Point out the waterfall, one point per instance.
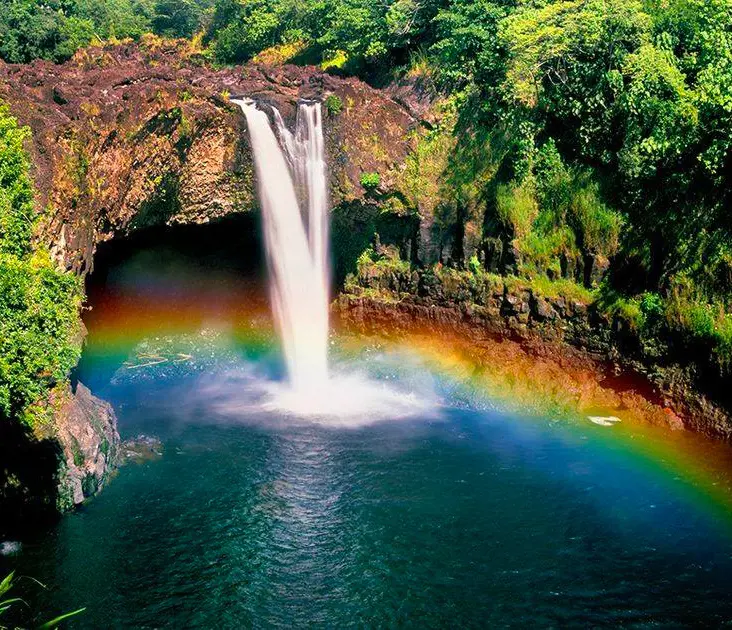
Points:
(291, 182)
(294, 198)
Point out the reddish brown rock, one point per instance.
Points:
(132, 135)
(86, 428)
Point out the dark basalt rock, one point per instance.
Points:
(87, 431)
(541, 310)
(569, 330)
(58, 465)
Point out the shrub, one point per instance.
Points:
(474, 264)
(282, 53)
(16, 191)
(689, 313)
(652, 307)
(597, 225)
(517, 207)
(541, 250)
(334, 59)
(626, 309)
(39, 305)
(333, 104)
(370, 181)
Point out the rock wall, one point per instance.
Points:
(478, 308)
(87, 431)
(129, 136)
(56, 466)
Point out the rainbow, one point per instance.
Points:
(697, 470)
(694, 467)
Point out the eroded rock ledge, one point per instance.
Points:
(87, 431)
(571, 334)
(129, 136)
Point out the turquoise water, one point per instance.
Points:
(475, 519)
(454, 516)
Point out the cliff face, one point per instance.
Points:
(130, 136)
(87, 432)
(567, 330)
(136, 135)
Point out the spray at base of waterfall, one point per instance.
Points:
(291, 180)
(348, 399)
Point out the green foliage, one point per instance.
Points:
(246, 28)
(556, 213)
(427, 180)
(39, 306)
(39, 328)
(597, 226)
(702, 322)
(17, 214)
(5, 586)
(333, 104)
(55, 29)
(541, 251)
(474, 264)
(564, 288)
(177, 18)
(387, 259)
(703, 327)
(517, 207)
(356, 35)
(466, 47)
(370, 181)
(380, 273)
(114, 18)
(626, 309)
(652, 307)
(6, 604)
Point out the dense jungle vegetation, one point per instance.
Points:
(571, 135)
(40, 338)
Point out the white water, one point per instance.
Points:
(297, 250)
(291, 180)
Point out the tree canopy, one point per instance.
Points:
(572, 129)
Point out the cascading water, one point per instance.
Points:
(293, 193)
(297, 250)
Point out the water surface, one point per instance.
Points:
(454, 515)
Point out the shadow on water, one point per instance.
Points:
(27, 480)
(170, 279)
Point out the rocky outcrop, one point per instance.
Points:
(87, 431)
(571, 330)
(141, 449)
(57, 465)
(134, 135)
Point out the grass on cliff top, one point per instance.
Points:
(552, 289)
